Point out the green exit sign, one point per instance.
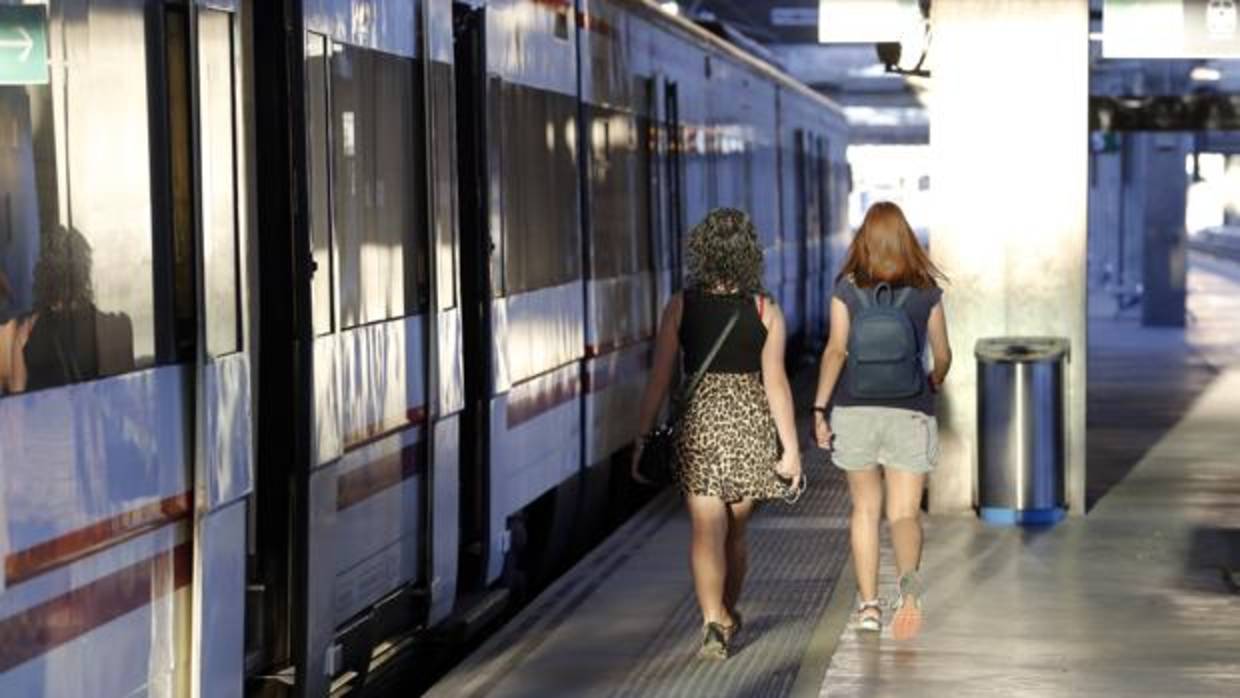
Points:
(23, 44)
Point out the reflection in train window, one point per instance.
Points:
(540, 197)
(618, 195)
(77, 290)
(219, 210)
(316, 158)
(378, 185)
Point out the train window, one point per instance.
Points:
(443, 145)
(620, 244)
(378, 185)
(77, 281)
(540, 203)
(320, 212)
(218, 178)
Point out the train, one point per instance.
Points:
(323, 323)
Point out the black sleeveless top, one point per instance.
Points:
(703, 317)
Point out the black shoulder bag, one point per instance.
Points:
(659, 452)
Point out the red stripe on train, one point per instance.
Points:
(414, 416)
(589, 22)
(526, 407)
(380, 474)
(88, 540)
(40, 629)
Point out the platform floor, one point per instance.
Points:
(625, 622)
(1130, 600)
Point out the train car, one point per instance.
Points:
(323, 322)
(128, 345)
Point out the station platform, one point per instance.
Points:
(1137, 598)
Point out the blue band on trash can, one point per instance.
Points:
(1010, 517)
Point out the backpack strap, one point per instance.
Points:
(902, 297)
(864, 299)
(878, 293)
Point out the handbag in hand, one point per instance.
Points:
(658, 455)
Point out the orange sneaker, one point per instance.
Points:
(907, 621)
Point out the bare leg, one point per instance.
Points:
(707, 558)
(866, 490)
(737, 550)
(904, 513)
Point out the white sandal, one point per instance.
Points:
(868, 622)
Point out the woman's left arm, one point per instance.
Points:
(666, 348)
(779, 393)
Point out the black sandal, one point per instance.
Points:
(735, 628)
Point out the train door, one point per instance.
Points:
(477, 265)
(293, 300)
(374, 418)
(223, 469)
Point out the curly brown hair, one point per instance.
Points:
(724, 253)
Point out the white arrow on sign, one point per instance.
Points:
(25, 43)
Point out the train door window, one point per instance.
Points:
(175, 258)
(443, 153)
(650, 217)
(78, 203)
(317, 121)
(675, 183)
(540, 212)
(621, 241)
(378, 185)
(218, 182)
(824, 191)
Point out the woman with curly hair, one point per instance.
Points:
(729, 438)
(884, 439)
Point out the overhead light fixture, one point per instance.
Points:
(672, 8)
(868, 21)
(1204, 73)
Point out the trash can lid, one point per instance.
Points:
(1021, 349)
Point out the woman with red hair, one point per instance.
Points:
(875, 403)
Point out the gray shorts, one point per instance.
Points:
(906, 440)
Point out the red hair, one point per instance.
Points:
(886, 251)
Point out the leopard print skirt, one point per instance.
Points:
(727, 444)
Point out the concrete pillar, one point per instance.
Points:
(1009, 140)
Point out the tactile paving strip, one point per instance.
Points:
(796, 556)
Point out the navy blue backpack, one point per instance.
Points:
(883, 359)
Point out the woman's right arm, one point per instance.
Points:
(667, 344)
(833, 358)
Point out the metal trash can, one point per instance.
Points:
(1020, 429)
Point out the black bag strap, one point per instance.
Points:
(699, 374)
